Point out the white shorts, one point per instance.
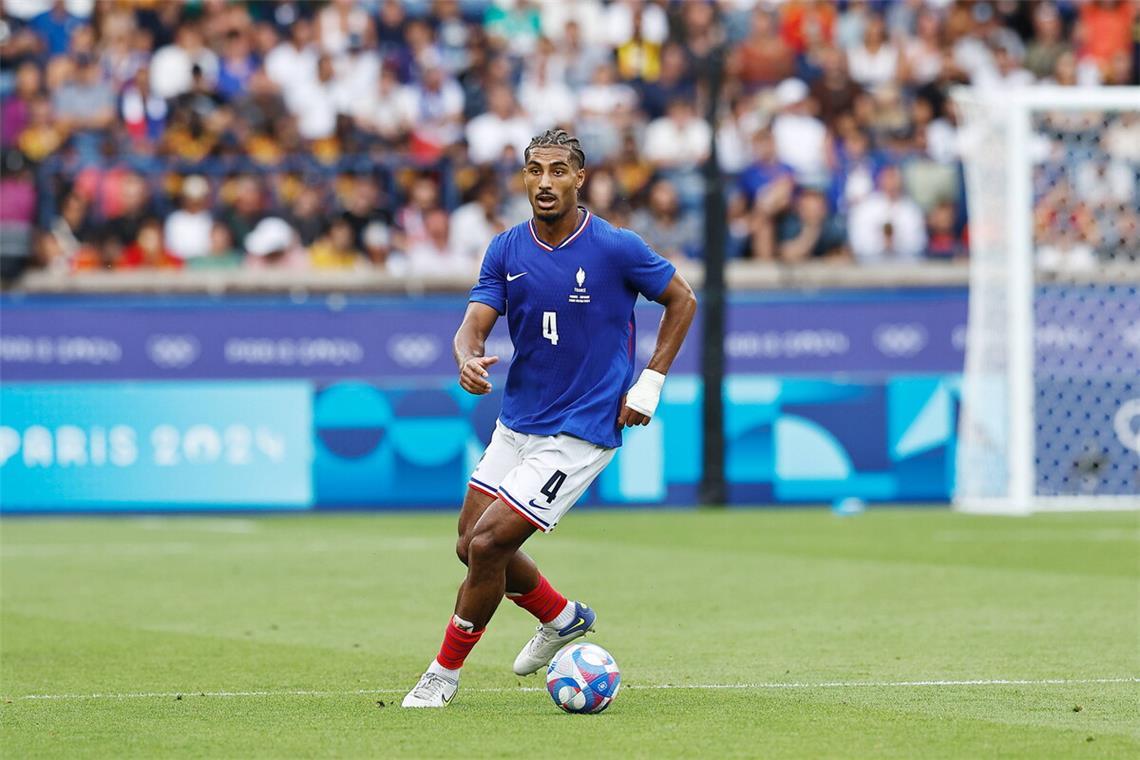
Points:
(538, 476)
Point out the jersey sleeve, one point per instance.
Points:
(645, 270)
(492, 286)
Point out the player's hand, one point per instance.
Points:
(628, 417)
(473, 374)
(640, 403)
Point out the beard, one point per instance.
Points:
(551, 216)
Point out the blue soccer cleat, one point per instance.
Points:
(547, 640)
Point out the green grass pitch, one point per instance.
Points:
(782, 634)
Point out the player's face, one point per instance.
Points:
(552, 182)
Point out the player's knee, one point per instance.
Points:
(485, 548)
(462, 548)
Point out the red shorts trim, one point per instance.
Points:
(482, 490)
(506, 499)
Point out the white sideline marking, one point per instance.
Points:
(495, 690)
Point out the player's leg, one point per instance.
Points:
(554, 473)
(526, 586)
(522, 572)
(438, 685)
(495, 540)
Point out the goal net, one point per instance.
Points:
(1050, 412)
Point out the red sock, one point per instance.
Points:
(457, 644)
(543, 601)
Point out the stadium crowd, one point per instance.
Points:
(377, 133)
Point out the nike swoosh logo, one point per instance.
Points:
(536, 506)
(577, 624)
(447, 700)
(513, 277)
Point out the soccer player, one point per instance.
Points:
(567, 281)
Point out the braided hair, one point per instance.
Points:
(558, 138)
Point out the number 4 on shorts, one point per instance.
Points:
(550, 490)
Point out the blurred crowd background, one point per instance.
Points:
(385, 134)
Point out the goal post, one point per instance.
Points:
(1050, 401)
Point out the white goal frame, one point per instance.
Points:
(1016, 109)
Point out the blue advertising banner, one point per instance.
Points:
(827, 334)
(789, 440)
(373, 338)
(275, 445)
(71, 447)
(353, 403)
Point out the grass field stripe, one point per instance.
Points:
(502, 689)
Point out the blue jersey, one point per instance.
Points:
(569, 308)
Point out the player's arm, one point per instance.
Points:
(469, 344)
(680, 305)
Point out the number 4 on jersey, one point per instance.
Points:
(550, 326)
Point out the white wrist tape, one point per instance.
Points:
(646, 392)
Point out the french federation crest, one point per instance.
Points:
(580, 295)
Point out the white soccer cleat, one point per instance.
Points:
(547, 641)
(433, 690)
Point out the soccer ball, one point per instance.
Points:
(583, 678)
